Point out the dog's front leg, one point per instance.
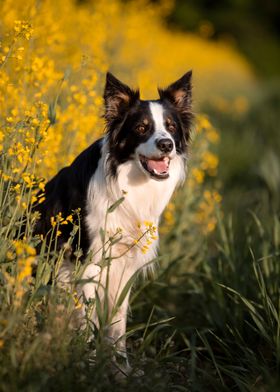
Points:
(109, 290)
(92, 275)
(117, 328)
(109, 284)
(117, 334)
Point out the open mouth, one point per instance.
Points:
(156, 167)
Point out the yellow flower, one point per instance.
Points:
(41, 186)
(241, 104)
(198, 175)
(25, 267)
(10, 255)
(209, 162)
(148, 223)
(77, 303)
(33, 199)
(17, 188)
(217, 197)
(35, 122)
(144, 249)
(212, 135)
(203, 122)
(53, 222)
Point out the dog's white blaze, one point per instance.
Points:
(157, 113)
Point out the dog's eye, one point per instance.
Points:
(171, 128)
(141, 129)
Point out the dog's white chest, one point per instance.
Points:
(144, 201)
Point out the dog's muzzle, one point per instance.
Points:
(158, 168)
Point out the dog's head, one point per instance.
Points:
(151, 133)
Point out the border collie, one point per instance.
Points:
(140, 160)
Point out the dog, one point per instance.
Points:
(135, 168)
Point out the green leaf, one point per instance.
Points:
(115, 205)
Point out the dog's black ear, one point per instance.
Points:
(118, 98)
(179, 94)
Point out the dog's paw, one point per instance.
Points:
(121, 370)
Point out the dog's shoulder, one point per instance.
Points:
(67, 190)
(73, 180)
(85, 165)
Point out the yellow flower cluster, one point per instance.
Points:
(58, 220)
(30, 190)
(206, 161)
(204, 125)
(237, 105)
(147, 234)
(23, 28)
(205, 215)
(168, 218)
(203, 167)
(24, 256)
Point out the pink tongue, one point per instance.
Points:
(159, 166)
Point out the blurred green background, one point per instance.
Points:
(250, 142)
(252, 25)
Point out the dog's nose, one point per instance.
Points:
(164, 145)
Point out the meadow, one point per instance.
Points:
(209, 319)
